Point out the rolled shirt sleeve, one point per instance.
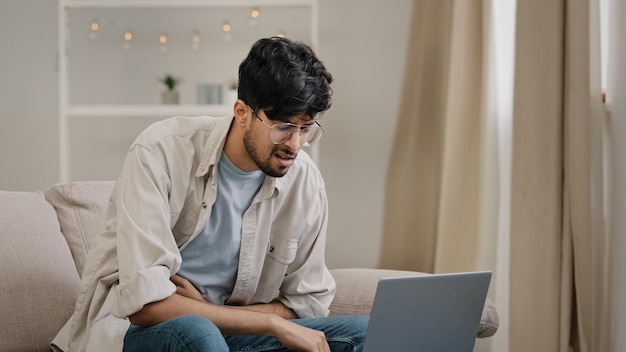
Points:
(146, 250)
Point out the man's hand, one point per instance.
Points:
(299, 338)
(185, 288)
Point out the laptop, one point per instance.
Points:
(431, 313)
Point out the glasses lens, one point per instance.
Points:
(280, 133)
(315, 133)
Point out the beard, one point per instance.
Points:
(264, 164)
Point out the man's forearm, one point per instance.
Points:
(185, 288)
(276, 308)
(230, 320)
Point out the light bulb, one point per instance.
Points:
(254, 17)
(127, 43)
(227, 35)
(195, 40)
(94, 27)
(163, 49)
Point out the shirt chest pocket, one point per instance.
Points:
(281, 249)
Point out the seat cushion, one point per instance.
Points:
(38, 281)
(81, 208)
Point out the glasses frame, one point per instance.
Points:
(293, 126)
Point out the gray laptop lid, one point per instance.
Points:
(428, 313)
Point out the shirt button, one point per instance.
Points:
(204, 204)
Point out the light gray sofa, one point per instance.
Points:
(45, 237)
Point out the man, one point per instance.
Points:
(216, 228)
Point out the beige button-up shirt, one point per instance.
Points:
(162, 200)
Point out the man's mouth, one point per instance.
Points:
(284, 155)
(286, 158)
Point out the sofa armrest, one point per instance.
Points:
(356, 289)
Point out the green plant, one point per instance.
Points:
(170, 81)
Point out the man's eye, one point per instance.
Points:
(305, 129)
(283, 127)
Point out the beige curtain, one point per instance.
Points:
(551, 234)
(431, 212)
(433, 200)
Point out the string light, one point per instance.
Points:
(163, 43)
(195, 40)
(94, 27)
(195, 43)
(127, 44)
(227, 35)
(254, 17)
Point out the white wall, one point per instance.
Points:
(363, 44)
(28, 95)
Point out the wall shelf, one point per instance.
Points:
(147, 110)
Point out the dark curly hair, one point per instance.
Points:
(284, 79)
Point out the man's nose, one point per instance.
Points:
(295, 139)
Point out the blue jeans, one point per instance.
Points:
(191, 333)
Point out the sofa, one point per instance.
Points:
(45, 238)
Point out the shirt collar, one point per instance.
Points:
(214, 145)
(213, 150)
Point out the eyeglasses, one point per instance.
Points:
(281, 132)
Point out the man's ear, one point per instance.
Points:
(241, 111)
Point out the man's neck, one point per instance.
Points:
(236, 152)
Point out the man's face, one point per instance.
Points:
(273, 159)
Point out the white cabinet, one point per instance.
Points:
(104, 80)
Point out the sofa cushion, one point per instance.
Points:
(38, 281)
(356, 289)
(81, 208)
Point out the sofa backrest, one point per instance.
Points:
(81, 208)
(38, 281)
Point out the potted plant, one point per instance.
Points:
(170, 96)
